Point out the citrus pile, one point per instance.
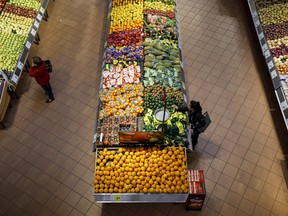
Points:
(141, 170)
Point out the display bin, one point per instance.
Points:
(197, 190)
(139, 197)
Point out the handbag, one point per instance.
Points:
(48, 65)
(207, 122)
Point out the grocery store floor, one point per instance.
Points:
(46, 162)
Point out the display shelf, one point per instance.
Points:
(277, 80)
(101, 79)
(141, 198)
(32, 36)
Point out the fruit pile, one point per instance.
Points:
(274, 20)
(125, 100)
(2, 3)
(128, 15)
(16, 20)
(139, 170)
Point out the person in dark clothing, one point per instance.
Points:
(196, 121)
(42, 77)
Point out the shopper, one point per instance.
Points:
(196, 121)
(42, 77)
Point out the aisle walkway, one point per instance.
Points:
(46, 163)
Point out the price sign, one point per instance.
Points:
(33, 32)
(261, 35)
(14, 79)
(181, 64)
(264, 47)
(28, 45)
(20, 65)
(267, 54)
(117, 198)
(270, 65)
(254, 14)
(36, 24)
(284, 105)
(42, 10)
(39, 17)
(273, 74)
(257, 23)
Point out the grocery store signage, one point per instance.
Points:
(33, 32)
(42, 10)
(39, 17)
(28, 45)
(36, 24)
(117, 198)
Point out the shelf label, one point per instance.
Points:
(273, 74)
(284, 105)
(267, 54)
(254, 14)
(264, 47)
(183, 85)
(28, 45)
(270, 65)
(117, 198)
(20, 65)
(36, 24)
(261, 35)
(14, 79)
(42, 10)
(33, 32)
(257, 23)
(39, 17)
(182, 65)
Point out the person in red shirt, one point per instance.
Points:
(42, 77)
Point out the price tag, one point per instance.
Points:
(14, 79)
(261, 35)
(110, 4)
(36, 24)
(39, 17)
(254, 14)
(181, 64)
(42, 10)
(33, 32)
(273, 74)
(270, 65)
(95, 137)
(28, 45)
(20, 65)
(284, 105)
(264, 47)
(109, 14)
(267, 54)
(117, 198)
(257, 23)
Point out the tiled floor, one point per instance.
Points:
(46, 163)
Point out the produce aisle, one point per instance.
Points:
(47, 166)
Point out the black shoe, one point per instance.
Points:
(50, 100)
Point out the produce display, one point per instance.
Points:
(16, 20)
(140, 170)
(274, 19)
(141, 58)
(141, 75)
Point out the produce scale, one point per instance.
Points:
(140, 138)
(271, 24)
